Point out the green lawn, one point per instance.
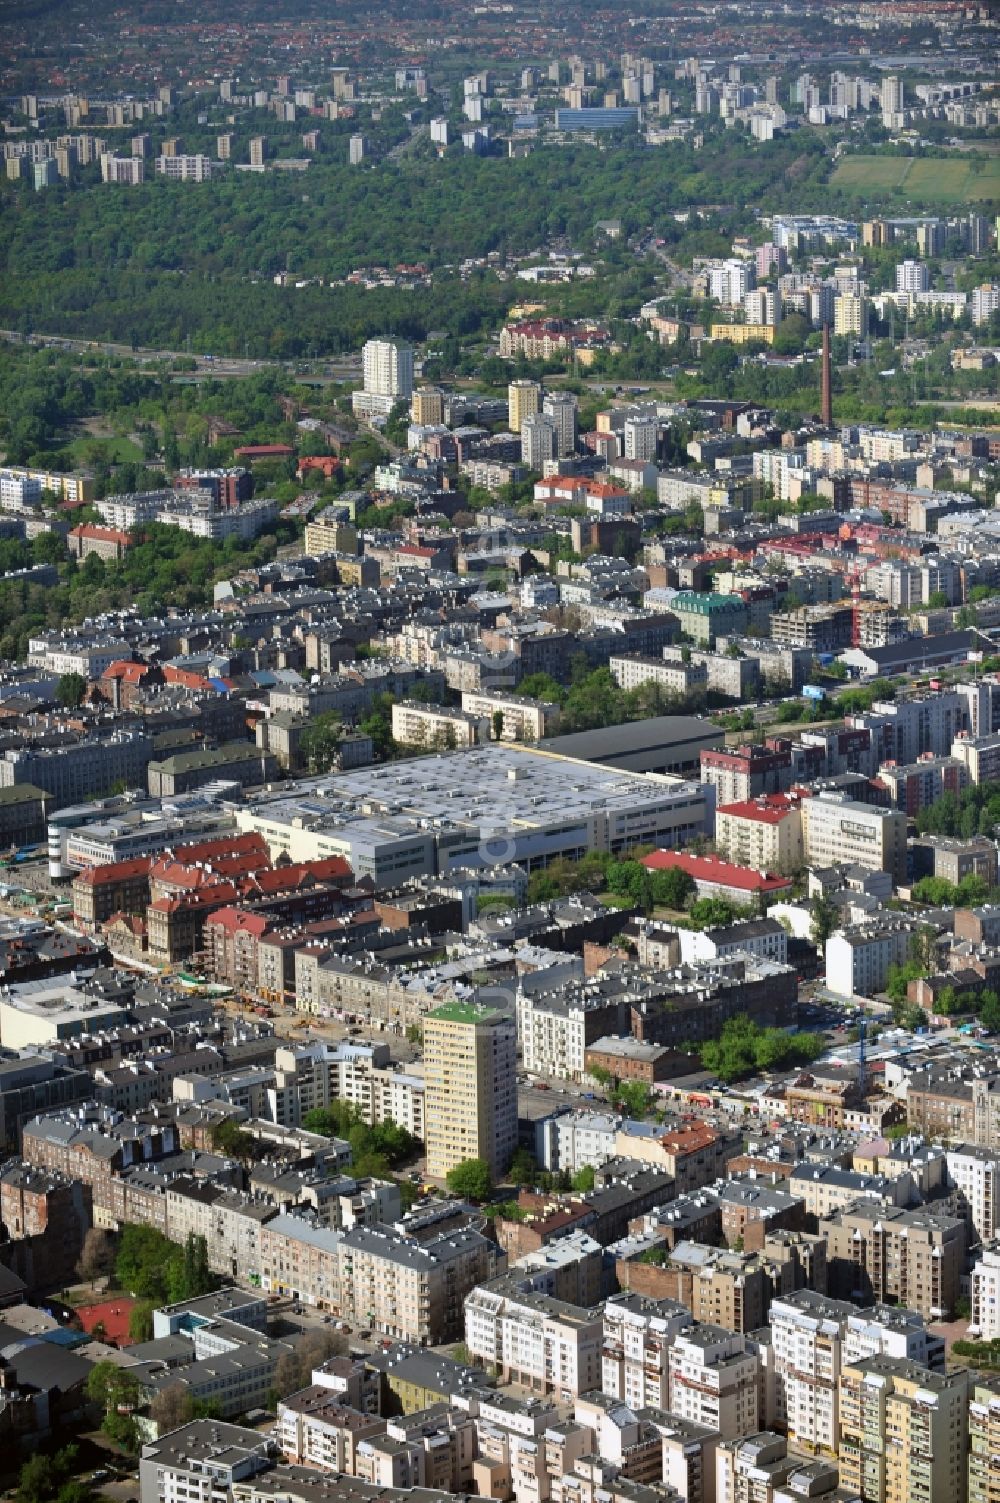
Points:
(86, 446)
(951, 179)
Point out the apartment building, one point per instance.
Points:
(883, 1252)
(914, 787)
(438, 727)
(542, 1343)
(575, 1140)
(720, 1287)
(912, 728)
(672, 676)
(984, 1321)
(904, 1432)
(520, 719)
(974, 1178)
(119, 887)
(96, 1146)
(858, 960)
(201, 1461)
(758, 1469)
(764, 834)
(80, 770)
(714, 1380)
(826, 1188)
(470, 1070)
(524, 400)
(705, 617)
(807, 1338)
(937, 1105)
(377, 1278)
(637, 1336)
(746, 772)
(984, 1439)
(229, 1222)
(22, 486)
(317, 1428)
(185, 168)
(313, 1075)
(557, 1027)
(387, 368)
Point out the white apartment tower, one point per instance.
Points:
(640, 438)
(388, 369)
(912, 276)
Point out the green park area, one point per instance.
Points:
(952, 179)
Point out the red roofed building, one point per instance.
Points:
(182, 889)
(299, 875)
(184, 677)
(231, 940)
(100, 891)
(580, 490)
(125, 934)
(424, 556)
(715, 878)
(695, 1155)
(121, 683)
(548, 338)
(188, 868)
(106, 542)
(323, 464)
(264, 451)
(746, 772)
(180, 913)
(175, 925)
(764, 833)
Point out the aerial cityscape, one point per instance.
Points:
(500, 752)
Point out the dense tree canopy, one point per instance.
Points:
(102, 262)
(151, 1266)
(374, 1149)
(471, 1179)
(745, 1048)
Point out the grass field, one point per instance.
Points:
(946, 180)
(86, 447)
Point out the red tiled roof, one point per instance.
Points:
(712, 869)
(771, 809)
(123, 669)
(216, 896)
(689, 1139)
(222, 845)
(325, 462)
(237, 918)
(114, 871)
(184, 676)
(130, 920)
(102, 534)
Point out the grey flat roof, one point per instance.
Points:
(681, 733)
